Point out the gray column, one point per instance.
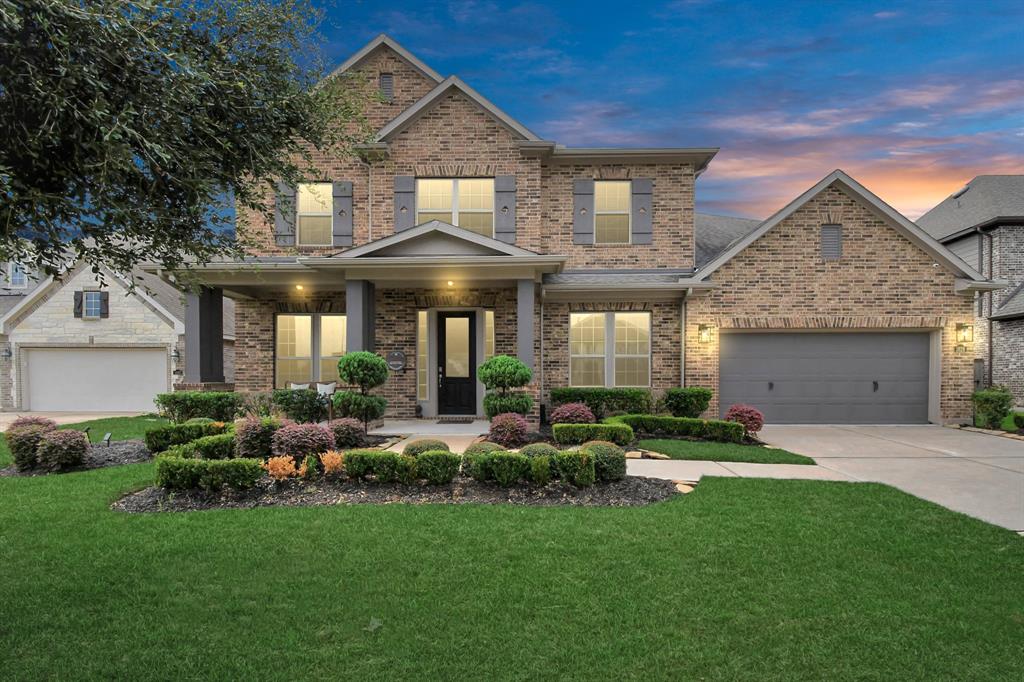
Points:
(524, 320)
(204, 336)
(360, 315)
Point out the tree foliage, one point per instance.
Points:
(133, 129)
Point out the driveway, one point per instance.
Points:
(973, 473)
(62, 417)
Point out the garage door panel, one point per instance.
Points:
(827, 377)
(94, 379)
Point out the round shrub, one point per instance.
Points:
(23, 438)
(503, 372)
(299, 440)
(422, 445)
(507, 468)
(576, 467)
(572, 413)
(609, 460)
(991, 406)
(348, 432)
(200, 420)
(750, 417)
(538, 450)
(360, 406)
(62, 449)
(689, 401)
(254, 437)
(482, 448)
(508, 429)
(499, 403)
(363, 369)
(438, 466)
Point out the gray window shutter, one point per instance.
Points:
(284, 215)
(505, 208)
(104, 304)
(342, 223)
(405, 202)
(831, 242)
(78, 304)
(640, 223)
(582, 211)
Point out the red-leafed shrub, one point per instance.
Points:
(254, 436)
(348, 433)
(23, 437)
(750, 417)
(508, 429)
(62, 449)
(299, 440)
(572, 413)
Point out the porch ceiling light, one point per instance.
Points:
(451, 283)
(964, 332)
(299, 287)
(704, 333)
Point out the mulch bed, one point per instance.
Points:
(629, 492)
(99, 456)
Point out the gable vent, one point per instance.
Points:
(831, 242)
(387, 86)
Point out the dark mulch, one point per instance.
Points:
(99, 456)
(629, 492)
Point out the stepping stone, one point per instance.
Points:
(684, 488)
(634, 454)
(656, 455)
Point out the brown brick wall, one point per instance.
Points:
(882, 280)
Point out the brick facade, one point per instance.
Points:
(1003, 258)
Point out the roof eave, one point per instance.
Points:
(386, 40)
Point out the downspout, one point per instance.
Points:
(991, 310)
(540, 367)
(369, 201)
(682, 339)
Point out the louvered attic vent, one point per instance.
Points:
(831, 242)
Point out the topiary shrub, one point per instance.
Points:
(61, 449)
(302, 405)
(750, 417)
(482, 448)
(507, 468)
(366, 371)
(23, 437)
(497, 403)
(299, 440)
(538, 450)
(991, 406)
(576, 467)
(361, 407)
(438, 466)
(421, 445)
(254, 437)
(500, 374)
(348, 432)
(180, 406)
(609, 460)
(690, 401)
(221, 446)
(575, 434)
(572, 413)
(540, 469)
(508, 429)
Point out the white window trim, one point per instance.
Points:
(455, 203)
(489, 340)
(315, 357)
(628, 213)
(314, 214)
(10, 276)
(85, 304)
(609, 354)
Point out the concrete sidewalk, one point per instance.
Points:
(693, 470)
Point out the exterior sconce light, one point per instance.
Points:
(704, 333)
(964, 333)
(6, 353)
(175, 354)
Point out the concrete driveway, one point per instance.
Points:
(62, 417)
(973, 473)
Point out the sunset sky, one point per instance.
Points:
(911, 98)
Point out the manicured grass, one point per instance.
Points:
(722, 452)
(1008, 424)
(741, 579)
(119, 428)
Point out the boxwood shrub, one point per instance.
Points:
(690, 401)
(438, 466)
(221, 446)
(360, 463)
(575, 434)
(482, 447)
(991, 406)
(576, 467)
(303, 405)
(540, 469)
(601, 401)
(161, 438)
(609, 460)
(180, 406)
(179, 473)
(538, 450)
(421, 445)
(681, 427)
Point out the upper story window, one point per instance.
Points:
(315, 205)
(466, 203)
(92, 305)
(611, 211)
(386, 85)
(17, 276)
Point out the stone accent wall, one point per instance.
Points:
(882, 281)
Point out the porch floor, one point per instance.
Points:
(430, 427)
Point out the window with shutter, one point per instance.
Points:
(831, 242)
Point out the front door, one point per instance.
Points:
(456, 363)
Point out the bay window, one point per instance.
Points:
(622, 362)
(307, 348)
(467, 203)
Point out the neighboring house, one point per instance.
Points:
(983, 223)
(460, 234)
(74, 345)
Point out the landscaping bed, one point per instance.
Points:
(629, 492)
(96, 457)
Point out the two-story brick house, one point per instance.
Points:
(459, 234)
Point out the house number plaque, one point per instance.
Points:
(396, 360)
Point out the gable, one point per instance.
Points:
(434, 239)
(436, 244)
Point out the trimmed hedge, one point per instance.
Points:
(991, 406)
(502, 467)
(302, 405)
(387, 466)
(162, 438)
(575, 434)
(360, 463)
(180, 406)
(179, 473)
(538, 450)
(540, 469)
(221, 446)
(482, 447)
(438, 466)
(706, 429)
(422, 445)
(690, 401)
(604, 400)
(61, 449)
(576, 467)
(609, 460)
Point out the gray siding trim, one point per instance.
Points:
(505, 208)
(360, 319)
(525, 294)
(342, 224)
(405, 202)
(582, 211)
(968, 249)
(641, 230)
(284, 215)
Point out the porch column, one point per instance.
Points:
(524, 320)
(204, 336)
(360, 315)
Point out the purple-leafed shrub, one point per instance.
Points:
(254, 437)
(508, 429)
(348, 433)
(23, 437)
(62, 449)
(750, 417)
(299, 440)
(572, 413)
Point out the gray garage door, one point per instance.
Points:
(825, 378)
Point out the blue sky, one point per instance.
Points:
(912, 98)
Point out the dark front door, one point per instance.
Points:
(456, 363)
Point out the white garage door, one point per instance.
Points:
(94, 379)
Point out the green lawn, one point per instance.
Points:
(119, 428)
(741, 579)
(722, 452)
(1008, 424)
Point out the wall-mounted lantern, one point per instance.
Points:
(964, 332)
(704, 333)
(6, 353)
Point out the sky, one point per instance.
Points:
(913, 99)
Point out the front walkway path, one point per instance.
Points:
(693, 470)
(62, 417)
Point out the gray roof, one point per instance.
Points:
(982, 200)
(716, 232)
(616, 277)
(1012, 307)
